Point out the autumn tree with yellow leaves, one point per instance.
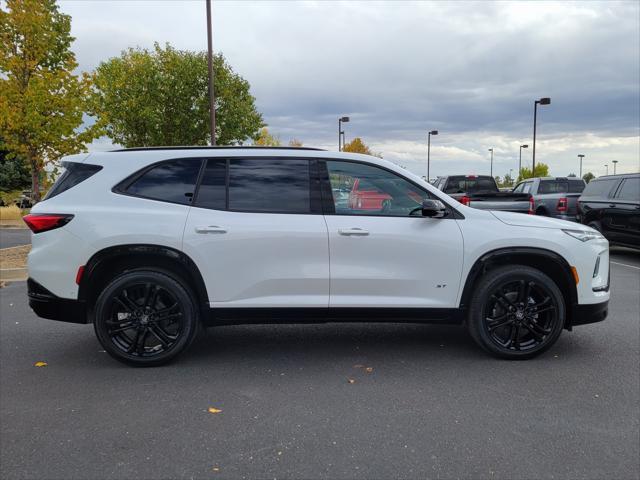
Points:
(42, 101)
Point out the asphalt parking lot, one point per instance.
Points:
(12, 237)
(433, 404)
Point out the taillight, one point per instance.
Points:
(532, 206)
(465, 200)
(39, 223)
(562, 204)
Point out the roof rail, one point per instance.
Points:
(216, 147)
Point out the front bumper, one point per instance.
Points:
(47, 305)
(592, 313)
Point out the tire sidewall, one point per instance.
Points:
(182, 292)
(481, 296)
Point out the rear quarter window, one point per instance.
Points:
(172, 181)
(630, 189)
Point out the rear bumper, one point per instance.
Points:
(47, 305)
(592, 313)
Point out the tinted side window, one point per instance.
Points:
(519, 188)
(74, 174)
(212, 192)
(630, 189)
(173, 181)
(526, 187)
(269, 185)
(600, 188)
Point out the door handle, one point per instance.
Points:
(210, 229)
(353, 232)
(612, 205)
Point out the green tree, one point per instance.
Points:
(265, 139)
(41, 101)
(542, 170)
(587, 177)
(14, 173)
(294, 142)
(160, 97)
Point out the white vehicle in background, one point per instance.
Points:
(151, 244)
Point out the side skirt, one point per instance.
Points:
(240, 316)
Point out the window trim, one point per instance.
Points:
(120, 188)
(329, 205)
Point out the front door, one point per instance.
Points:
(389, 256)
(257, 233)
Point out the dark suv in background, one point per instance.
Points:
(611, 205)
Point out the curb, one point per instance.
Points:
(13, 274)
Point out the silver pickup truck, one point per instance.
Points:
(553, 196)
(481, 191)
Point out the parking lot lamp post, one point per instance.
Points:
(580, 156)
(432, 132)
(614, 165)
(511, 176)
(606, 165)
(212, 108)
(520, 161)
(542, 101)
(491, 171)
(341, 120)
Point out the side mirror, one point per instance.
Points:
(433, 208)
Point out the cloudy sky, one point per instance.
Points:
(468, 69)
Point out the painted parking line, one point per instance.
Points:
(625, 265)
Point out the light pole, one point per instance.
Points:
(491, 171)
(580, 156)
(341, 120)
(212, 108)
(542, 101)
(607, 167)
(614, 165)
(520, 161)
(511, 176)
(432, 132)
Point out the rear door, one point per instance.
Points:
(390, 256)
(257, 233)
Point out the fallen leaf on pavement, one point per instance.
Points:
(351, 380)
(40, 364)
(214, 410)
(368, 369)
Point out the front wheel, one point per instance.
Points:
(516, 312)
(145, 318)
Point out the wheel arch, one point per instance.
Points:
(111, 261)
(551, 263)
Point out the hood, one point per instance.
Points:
(524, 220)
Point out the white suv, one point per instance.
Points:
(150, 244)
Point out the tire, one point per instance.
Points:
(503, 324)
(146, 318)
(542, 212)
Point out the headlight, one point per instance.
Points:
(583, 235)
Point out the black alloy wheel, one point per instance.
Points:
(517, 312)
(145, 318)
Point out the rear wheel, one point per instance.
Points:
(516, 312)
(146, 318)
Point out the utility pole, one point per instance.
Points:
(614, 165)
(432, 132)
(212, 108)
(491, 171)
(542, 101)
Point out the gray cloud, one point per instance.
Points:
(469, 69)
